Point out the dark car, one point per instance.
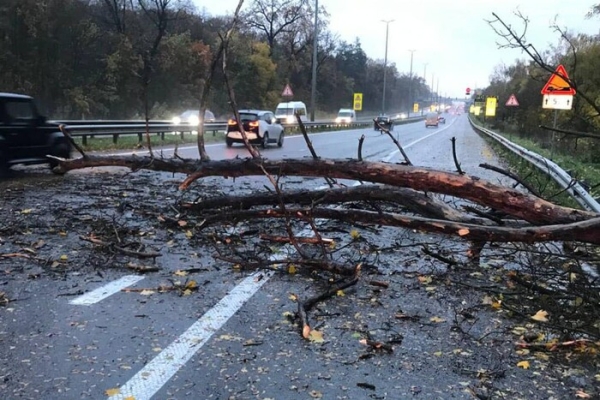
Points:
(25, 135)
(441, 120)
(383, 121)
(261, 127)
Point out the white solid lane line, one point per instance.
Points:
(151, 378)
(395, 152)
(105, 291)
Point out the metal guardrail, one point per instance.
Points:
(549, 167)
(116, 128)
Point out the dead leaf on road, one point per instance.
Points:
(523, 364)
(147, 292)
(540, 316)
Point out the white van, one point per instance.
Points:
(286, 112)
(345, 116)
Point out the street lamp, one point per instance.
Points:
(387, 26)
(313, 91)
(410, 87)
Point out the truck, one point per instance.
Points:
(285, 112)
(26, 137)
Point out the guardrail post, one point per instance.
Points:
(181, 135)
(115, 138)
(84, 140)
(162, 136)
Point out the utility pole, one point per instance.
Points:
(410, 87)
(437, 92)
(313, 91)
(432, 80)
(387, 28)
(425, 72)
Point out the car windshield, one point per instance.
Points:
(344, 114)
(284, 111)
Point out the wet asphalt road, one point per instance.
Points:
(52, 349)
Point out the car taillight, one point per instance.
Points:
(253, 124)
(231, 122)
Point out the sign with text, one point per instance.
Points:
(416, 107)
(358, 100)
(557, 102)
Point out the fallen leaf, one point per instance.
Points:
(182, 223)
(597, 377)
(523, 364)
(26, 211)
(582, 395)
(292, 269)
(315, 394)
(306, 332)
(112, 392)
(463, 232)
(541, 356)
(340, 293)
(186, 292)
(147, 292)
(316, 336)
(438, 354)
(293, 297)
(437, 319)
(181, 273)
(425, 280)
(64, 257)
(540, 316)
(191, 285)
(189, 234)
(129, 398)
(354, 234)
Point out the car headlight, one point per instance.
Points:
(338, 120)
(193, 120)
(290, 119)
(176, 120)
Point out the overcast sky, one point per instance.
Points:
(451, 36)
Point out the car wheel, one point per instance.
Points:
(265, 140)
(280, 141)
(228, 142)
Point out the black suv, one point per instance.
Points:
(25, 136)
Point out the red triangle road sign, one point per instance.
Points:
(558, 83)
(512, 101)
(287, 91)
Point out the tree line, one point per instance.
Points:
(121, 59)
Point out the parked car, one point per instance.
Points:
(261, 127)
(431, 119)
(383, 121)
(441, 120)
(26, 137)
(192, 117)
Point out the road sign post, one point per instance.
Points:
(557, 95)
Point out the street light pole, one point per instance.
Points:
(410, 87)
(387, 26)
(313, 91)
